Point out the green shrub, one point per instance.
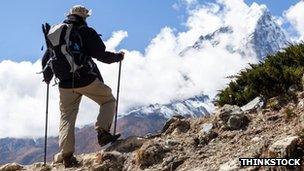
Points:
(270, 78)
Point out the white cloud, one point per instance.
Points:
(295, 16)
(115, 40)
(22, 100)
(155, 76)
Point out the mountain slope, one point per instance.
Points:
(207, 143)
(194, 106)
(137, 122)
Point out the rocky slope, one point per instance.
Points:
(136, 122)
(259, 129)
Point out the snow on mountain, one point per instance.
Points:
(196, 106)
(260, 36)
(268, 36)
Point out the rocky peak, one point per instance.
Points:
(268, 37)
(261, 35)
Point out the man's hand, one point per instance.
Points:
(46, 81)
(122, 54)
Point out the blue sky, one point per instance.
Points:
(21, 37)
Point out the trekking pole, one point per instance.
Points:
(46, 121)
(117, 97)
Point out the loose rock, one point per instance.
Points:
(171, 142)
(149, 154)
(207, 127)
(111, 161)
(284, 148)
(237, 121)
(180, 125)
(255, 104)
(11, 167)
(227, 110)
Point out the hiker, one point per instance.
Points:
(78, 75)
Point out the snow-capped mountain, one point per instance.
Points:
(268, 36)
(261, 35)
(196, 106)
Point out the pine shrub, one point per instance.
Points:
(270, 78)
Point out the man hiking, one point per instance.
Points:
(71, 47)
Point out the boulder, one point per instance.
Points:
(284, 147)
(205, 138)
(126, 145)
(255, 104)
(170, 121)
(233, 117)
(149, 154)
(207, 127)
(172, 142)
(179, 124)
(227, 110)
(237, 121)
(11, 167)
(205, 135)
(111, 161)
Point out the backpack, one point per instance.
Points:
(66, 50)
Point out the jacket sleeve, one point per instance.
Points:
(96, 48)
(47, 71)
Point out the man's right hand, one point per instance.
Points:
(122, 54)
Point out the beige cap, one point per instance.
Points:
(80, 11)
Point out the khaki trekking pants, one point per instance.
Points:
(69, 105)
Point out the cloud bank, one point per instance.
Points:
(295, 16)
(158, 75)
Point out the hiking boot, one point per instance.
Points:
(104, 137)
(70, 161)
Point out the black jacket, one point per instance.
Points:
(93, 48)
